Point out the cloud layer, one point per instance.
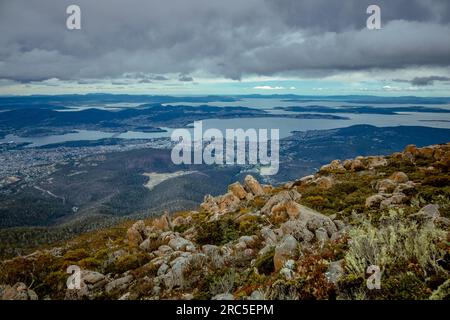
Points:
(148, 40)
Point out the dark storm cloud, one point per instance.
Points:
(340, 15)
(424, 81)
(147, 40)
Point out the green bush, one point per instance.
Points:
(217, 232)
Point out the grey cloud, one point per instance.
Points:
(185, 78)
(145, 81)
(146, 40)
(424, 81)
(427, 81)
(159, 78)
(338, 15)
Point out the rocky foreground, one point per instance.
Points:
(313, 238)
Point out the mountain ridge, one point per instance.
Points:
(311, 238)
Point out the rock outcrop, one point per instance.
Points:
(256, 241)
(252, 185)
(19, 291)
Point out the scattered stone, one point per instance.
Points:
(307, 214)
(411, 148)
(374, 201)
(288, 274)
(298, 230)
(175, 276)
(180, 244)
(406, 187)
(357, 165)
(227, 203)
(340, 225)
(283, 196)
(187, 296)
(425, 153)
(285, 250)
(292, 209)
(321, 235)
(252, 185)
(179, 221)
(385, 186)
(135, 233)
(145, 245)
(269, 236)
(267, 188)
(223, 296)
(257, 295)
(334, 166)
(306, 179)
(221, 204)
(324, 183)
(163, 223)
(442, 222)
(337, 235)
(209, 204)
(163, 250)
(399, 177)
(19, 291)
(329, 226)
(395, 200)
(118, 284)
(238, 190)
(335, 271)
(126, 296)
(162, 269)
(287, 185)
(248, 241)
(428, 213)
(91, 277)
(376, 162)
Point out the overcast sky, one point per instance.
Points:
(232, 46)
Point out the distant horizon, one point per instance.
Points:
(274, 95)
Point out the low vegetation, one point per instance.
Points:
(310, 239)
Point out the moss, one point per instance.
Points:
(403, 286)
(437, 181)
(128, 262)
(317, 202)
(90, 263)
(257, 202)
(32, 272)
(148, 269)
(351, 284)
(217, 232)
(76, 255)
(181, 228)
(54, 284)
(346, 195)
(248, 228)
